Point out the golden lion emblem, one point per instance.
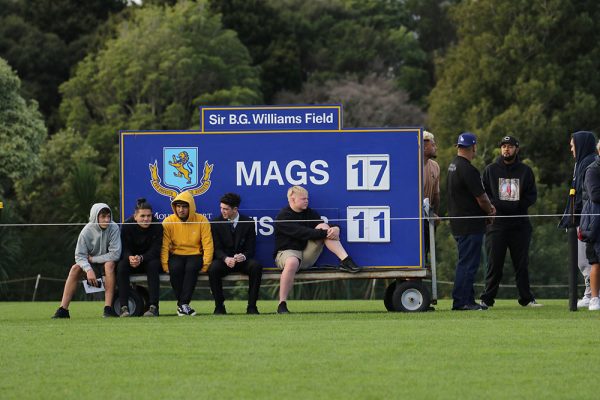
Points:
(180, 164)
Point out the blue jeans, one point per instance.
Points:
(469, 255)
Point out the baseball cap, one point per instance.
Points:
(509, 140)
(466, 139)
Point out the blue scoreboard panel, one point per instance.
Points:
(367, 181)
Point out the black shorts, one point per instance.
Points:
(592, 252)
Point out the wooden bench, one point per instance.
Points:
(271, 274)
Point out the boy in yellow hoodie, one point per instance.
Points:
(187, 248)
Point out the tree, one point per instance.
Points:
(40, 59)
(261, 29)
(298, 41)
(373, 101)
(22, 132)
(69, 20)
(359, 38)
(43, 39)
(528, 68)
(162, 65)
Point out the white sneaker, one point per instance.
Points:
(534, 303)
(584, 302)
(594, 304)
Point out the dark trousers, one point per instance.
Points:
(218, 269)
(517, 240)
(469, 255)
(183, 271)
(151, 268)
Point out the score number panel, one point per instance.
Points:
(368, 172)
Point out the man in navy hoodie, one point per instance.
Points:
(583, 148)
(510, 185)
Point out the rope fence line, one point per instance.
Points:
(41, 278)
(419, 218)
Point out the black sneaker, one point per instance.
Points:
(484, 305)
(220, 310)
(185, 311)
(282, 308)
(109, 312)
(152, 311)
(348, 265)
(124, 312)
(252, 310)
(61, 313)
(469, 307)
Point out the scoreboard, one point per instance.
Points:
(367, 181)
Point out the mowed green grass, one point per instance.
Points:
(324, 350)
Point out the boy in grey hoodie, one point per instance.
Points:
(99, 244)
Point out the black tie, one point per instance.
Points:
(232, 227)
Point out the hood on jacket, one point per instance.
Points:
(585, 144)
(187, 198)
(95, 210)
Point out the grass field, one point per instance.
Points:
(325, 350)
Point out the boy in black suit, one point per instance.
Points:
(234, 238)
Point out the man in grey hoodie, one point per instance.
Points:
(98, 245)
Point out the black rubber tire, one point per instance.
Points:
(135, 303)
(411, 296)
(388, 296)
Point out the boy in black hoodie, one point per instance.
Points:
(141, 237)
(510, 185)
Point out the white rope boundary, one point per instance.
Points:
(441, 218)
(296, 283)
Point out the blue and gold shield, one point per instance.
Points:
(180, 167)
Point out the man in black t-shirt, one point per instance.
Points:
(468, 206)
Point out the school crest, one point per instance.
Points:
(180, 172)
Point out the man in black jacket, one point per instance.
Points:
(234, 239)
(510, 185)
(141, 238)
(300, 234)
(583, 148)
(591, 195)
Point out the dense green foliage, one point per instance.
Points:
(163, 63)
(296, 41)
(44, 39)
(326, 350)
(22, 132)
(527, 68)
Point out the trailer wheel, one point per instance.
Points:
(411, 296)
(135, 303)
(388, 296)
